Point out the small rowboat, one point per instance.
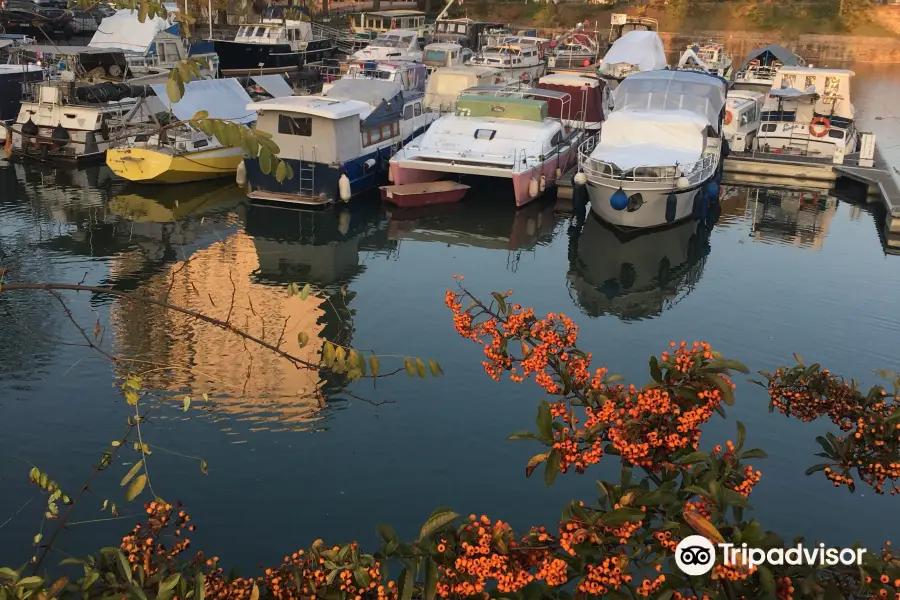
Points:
(423, 194)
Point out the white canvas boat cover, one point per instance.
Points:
(793, 93)
(221, 98)
(632, 139)
(124, 31)
(275, 85)
(643, 49)
(371, 91)
(699, 93)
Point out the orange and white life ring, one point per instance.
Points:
(728, 117)
(815, 130)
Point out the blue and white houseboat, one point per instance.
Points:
(338, 144)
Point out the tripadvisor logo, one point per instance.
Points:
(695, 555)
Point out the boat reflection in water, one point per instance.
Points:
(245, 382)
(490, 225)
(638, 277)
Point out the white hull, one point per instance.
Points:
(795, 138)
(652, 213)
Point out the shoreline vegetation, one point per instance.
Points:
(620, 545)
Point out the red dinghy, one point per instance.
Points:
(423, 194)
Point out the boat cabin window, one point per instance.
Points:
(832, 88)
(769, 127)
(356, 20)
(418, 107)
(810, 82)
(201, 144)
(557, 139)
(436, 56)
(294, 125)
(485, 134)
(787, 81)
(836, 133)
(379, 134)
(408, 113)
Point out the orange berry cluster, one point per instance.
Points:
(666, 541)
(602, 577)
(784, 588)
(649, 587)
(143, 546)
(875, 441)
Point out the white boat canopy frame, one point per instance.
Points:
(699, 93)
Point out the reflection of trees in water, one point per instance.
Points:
(638, 276)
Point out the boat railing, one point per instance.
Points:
(696, 172)
(756, 72)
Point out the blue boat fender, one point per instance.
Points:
(711, 189)
(619, 200)
(671, 206)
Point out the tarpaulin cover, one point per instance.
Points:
(698, 93)
(641, 48)
(793, 92)
(275, 85)
(779, 53)
(632, 139)
(221, 98)
(124, 31)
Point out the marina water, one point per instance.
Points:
(769, 279)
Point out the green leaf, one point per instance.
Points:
(741, 435)
(551, 469)
(431, 577)
(169, 583)
(203, 467)
(657, 498)
(303, 339)
(187, 403)
(280, 171)
(199, 587)
(724, 389)
(304, 293)
(328, 354)
(693, 458)
(818, 467)
(655, 373)
(7, 573)
(174, 88)
(766, 580)
(387, 533)
(623, 515)
(362, 577)
(545, 422)
(405, 584)
(200, 114)
(124, 564)
(30, 581)
(373, 365)
(727, 364)
(534, 462)
(436, 522)
(754, 453)
(420, 368)
(265, 162)
(435, 368)
(134, 471)
(524, 435)
(136, 487)
(410, 367)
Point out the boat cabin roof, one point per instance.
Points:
(472, 70)
(396, 13)
(498, 90)
(746, 95)
(316, 106)
(700, 93)
(796, 70)
(780, 53)
(370, 91)
(443, 46)
(570, 79)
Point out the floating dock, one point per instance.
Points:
(796, 171)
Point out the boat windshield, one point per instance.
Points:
(699, 93)
(436, 56)
(392, 41)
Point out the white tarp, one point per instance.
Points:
(275, 85)
(371, 91)
(124, 31)
(221, 98)
(699, 93)
(632, 139)
(793, 93)
(643, 49)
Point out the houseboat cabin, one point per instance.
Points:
(465, 32)
(13, 80)
(445, 54)
(339, 144)
(808, 111)
(621, 24)
(586, 92)
(368, 25)
(517, 62)
(393, 44)
(446, 84)
(711, 57)
(743, 109)
(410, 75)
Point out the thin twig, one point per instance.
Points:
(233, 293)
(16, 513)
(81, 330)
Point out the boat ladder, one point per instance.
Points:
(307, 174)
(800, 141)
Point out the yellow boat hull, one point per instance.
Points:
(147, 165)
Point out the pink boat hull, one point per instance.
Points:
(521, 181)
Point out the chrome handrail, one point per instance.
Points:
(696, 172)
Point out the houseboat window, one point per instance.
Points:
(201, 144)
(435, 56)
(787, 81)
(557, 139)
(371, 136)
(418, 106)
(294, 125)
(408, 113)
(810, 82)
(768, 128)
(832, 86)
(485, 134)
(836, 133)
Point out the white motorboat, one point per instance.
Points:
(758, 71)
(496, 132)
(446, 84)
(808, 112)
(394, 44)
(517, 62)
(710, 57)
(635, 52)
(659, 153)
(743, 110)
(445, 54)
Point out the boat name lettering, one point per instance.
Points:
(791, 126)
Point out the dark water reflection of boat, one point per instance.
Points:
(490, 225)
(639, 277)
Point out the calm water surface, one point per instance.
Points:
(769, 279)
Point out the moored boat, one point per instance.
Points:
(446, 84)
(394, 44)
(710, 57)
(586, 91)
(413, 195)
(495, 132)
(576, 48)
(743, 111)
(635, 52)
(445, 54)
(758, 71)
(177, 153)
(338, 144)
(659, 153)
(808, 111)
(517, 62)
